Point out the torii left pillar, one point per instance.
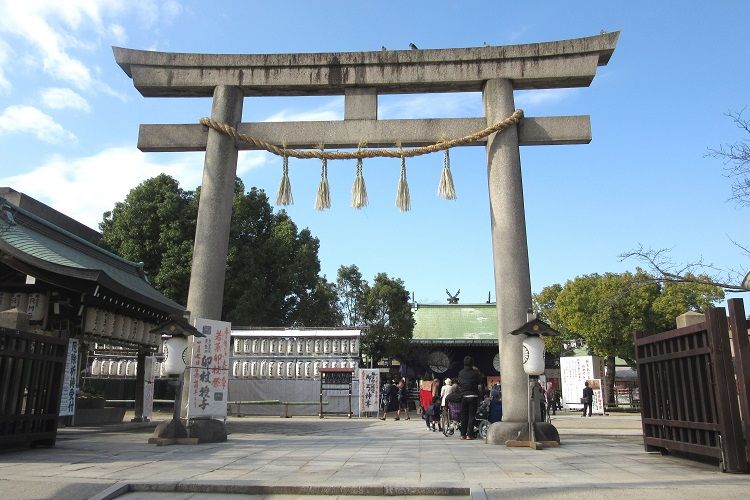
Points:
(207, 274)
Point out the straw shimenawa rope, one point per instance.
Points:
(362, 153)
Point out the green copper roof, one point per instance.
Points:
(43, 245)
(455, 322)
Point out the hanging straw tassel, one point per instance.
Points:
(402, 194)
(445, 187)
(359, 191)
(323, 200)
(284, 196)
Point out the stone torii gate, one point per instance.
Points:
(361, 76)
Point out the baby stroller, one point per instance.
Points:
(450, 420)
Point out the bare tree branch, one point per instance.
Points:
(667, 271)
(736, 159)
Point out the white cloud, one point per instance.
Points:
(248, 160)
(332, 110)
(449, 105)
(85, 188)
(532, 98)
(59, 98)
(27, 119)
(5, 51)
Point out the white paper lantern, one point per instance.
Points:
(37, 306)
(290, 369)
(5, 300)
(533, 355)
(118, 330)
(89, 324)
(96, 368)
(236, 369)
(19, 301)
(245, 369)
(176, 355)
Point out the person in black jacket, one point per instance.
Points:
(469, 380)
(587, 399)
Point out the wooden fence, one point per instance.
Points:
(691, 395)
(31, 373)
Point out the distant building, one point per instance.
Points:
(445, 333)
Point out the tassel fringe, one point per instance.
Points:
(284, 196)
(323, 199)
(402, 194)
(446, 189)
(359, 191)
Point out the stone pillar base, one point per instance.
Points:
(208, 430)
(500, 432)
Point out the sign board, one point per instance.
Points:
(575, 371)
(148, 386)
(209, 369)
(369, 390)
(70, 380)
(597, 402)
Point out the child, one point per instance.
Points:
(432, 414)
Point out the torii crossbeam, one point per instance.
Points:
(361, 76)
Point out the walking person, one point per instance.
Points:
(403, 399)
(469, 380)
(587, 399)
(386, 398)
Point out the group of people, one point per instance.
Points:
(395, 395)
(466, 388)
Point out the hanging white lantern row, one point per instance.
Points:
(176, 354)
(533, 355)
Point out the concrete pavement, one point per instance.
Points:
(271, 457)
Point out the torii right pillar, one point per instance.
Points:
(511, 261)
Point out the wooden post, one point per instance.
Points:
(738, 324)
(140, 382)
(725, 388)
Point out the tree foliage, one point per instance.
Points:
(383, 309)
(606, 310)
(272, 274)
(155, 224)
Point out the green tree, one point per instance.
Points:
(543, 304)
(679, 298)
(351, 293)
(272, 273)
(155, 224)
(389, 321)
(606, 310)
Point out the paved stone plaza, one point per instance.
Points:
(337, 456)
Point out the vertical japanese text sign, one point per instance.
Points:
(70, 380)
(209, 369)
(369, 389)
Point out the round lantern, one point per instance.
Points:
(533, 355)
(176, 354)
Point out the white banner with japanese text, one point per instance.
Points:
(70, 380)
(575, 371)
(209, 369)
(369, 390)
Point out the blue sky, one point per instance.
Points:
(69, 121)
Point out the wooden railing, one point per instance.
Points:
(689, 394)
(31, 369)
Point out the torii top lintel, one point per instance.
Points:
(558, 64)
